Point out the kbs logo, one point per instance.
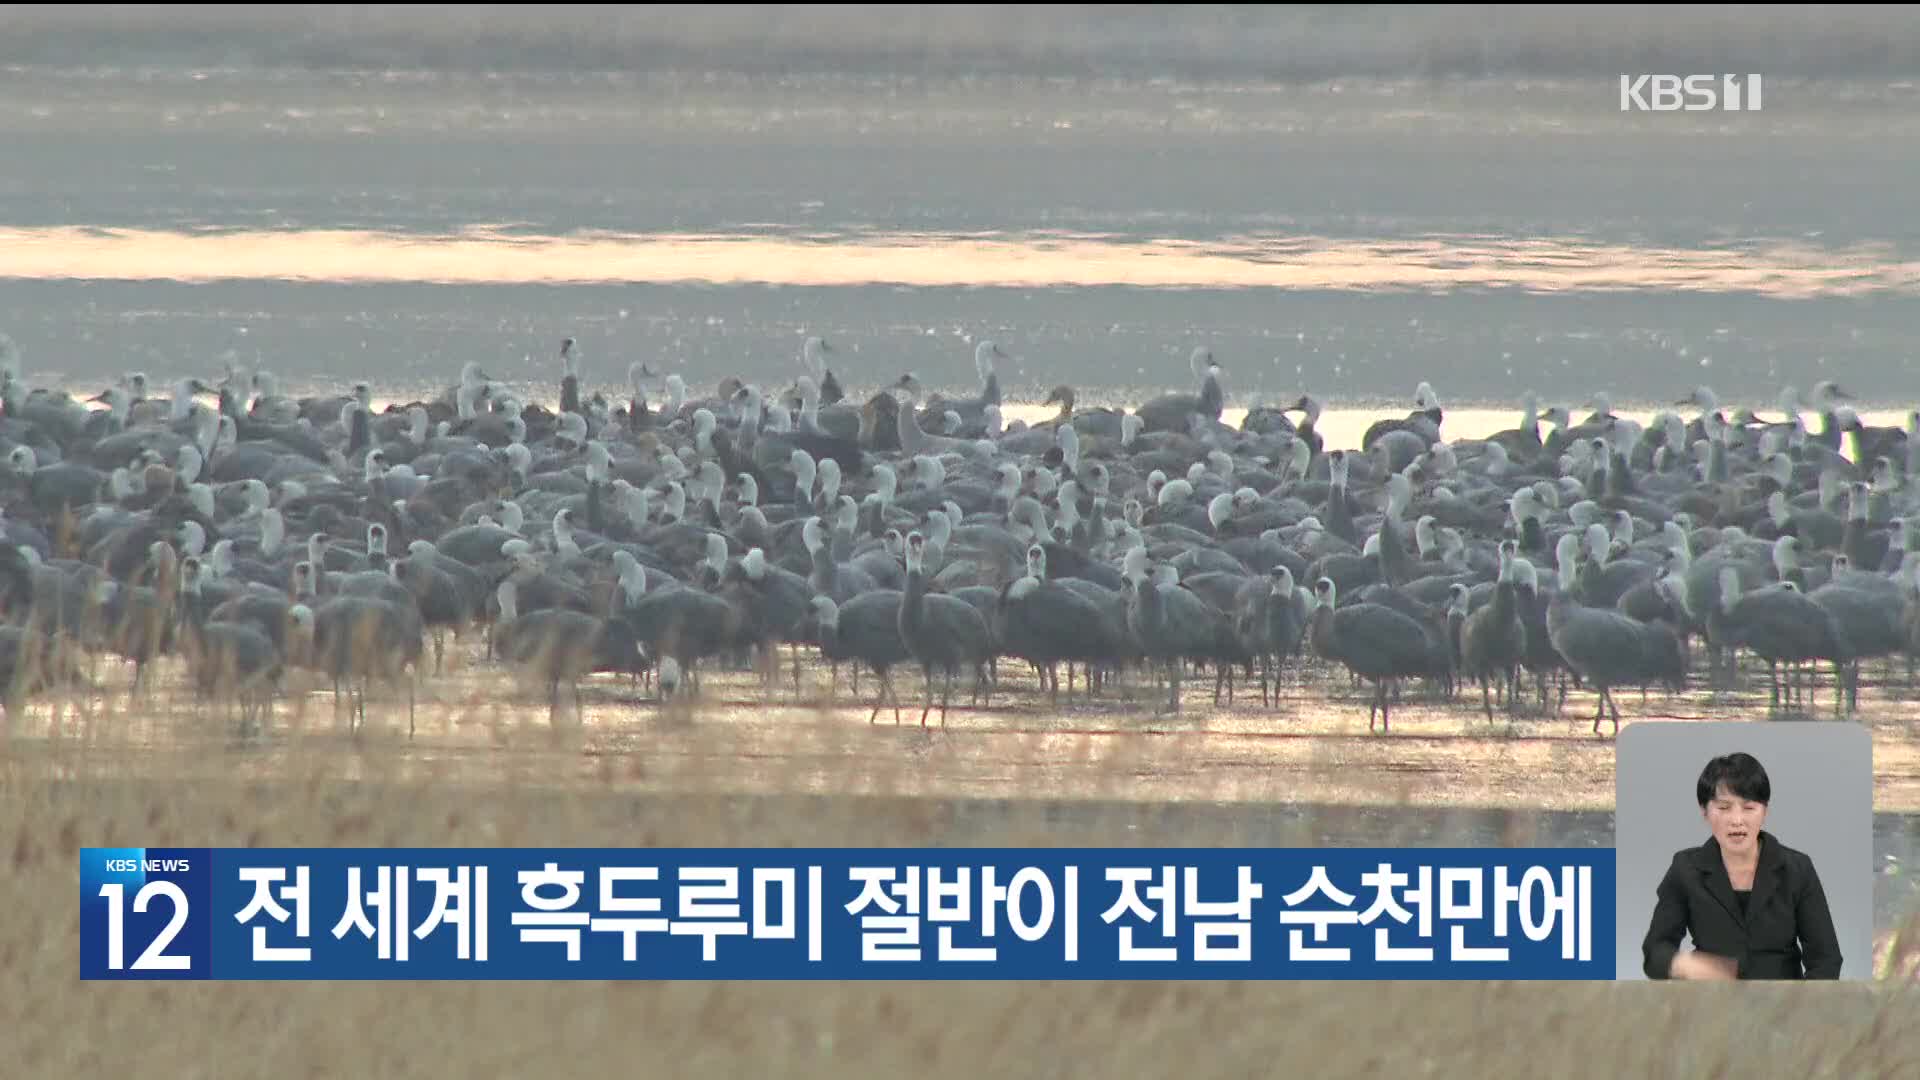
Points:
(1691, 93)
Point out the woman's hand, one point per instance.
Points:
(1700, 966)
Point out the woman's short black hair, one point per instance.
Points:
(1743, 775)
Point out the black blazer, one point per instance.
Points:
(1787, 932)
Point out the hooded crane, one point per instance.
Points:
(1780, 624)
(1605, 647)
(1268, 618)
(1375, 642)
(357, 637)
(941, 631)
(238, 662)
(1492, 642)
(559, 645)
(776, 602)
(1174, 412)
(675, 621)
(865, 631)
(1173, 624)
(1044, 622)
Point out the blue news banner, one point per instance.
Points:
(846, 913)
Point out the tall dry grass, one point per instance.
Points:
(165, 774)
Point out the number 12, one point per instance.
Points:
(155, 957)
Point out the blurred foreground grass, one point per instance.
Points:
(109, 781)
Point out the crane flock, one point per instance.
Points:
(651, 532)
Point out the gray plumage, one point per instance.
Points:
(1869, 619)
(682, 622)
(1045, 623)
(236, 661)
(560, 645)
(1172, 624)
(866, 630)
(941, 632)
(1779, 624)
(1172, 412)
(364, 638)
(1492, 642)
(1376, 643)
(1607, 648)
(1269, 618)
(776, 604)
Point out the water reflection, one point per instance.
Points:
(1339, 428)
(490, 255)
(1344, 428)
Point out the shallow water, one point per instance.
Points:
(1303, 771)
(1348, 238)
(487, 256)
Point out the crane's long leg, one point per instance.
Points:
(881, 695)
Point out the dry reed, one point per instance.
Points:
(487, 770)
